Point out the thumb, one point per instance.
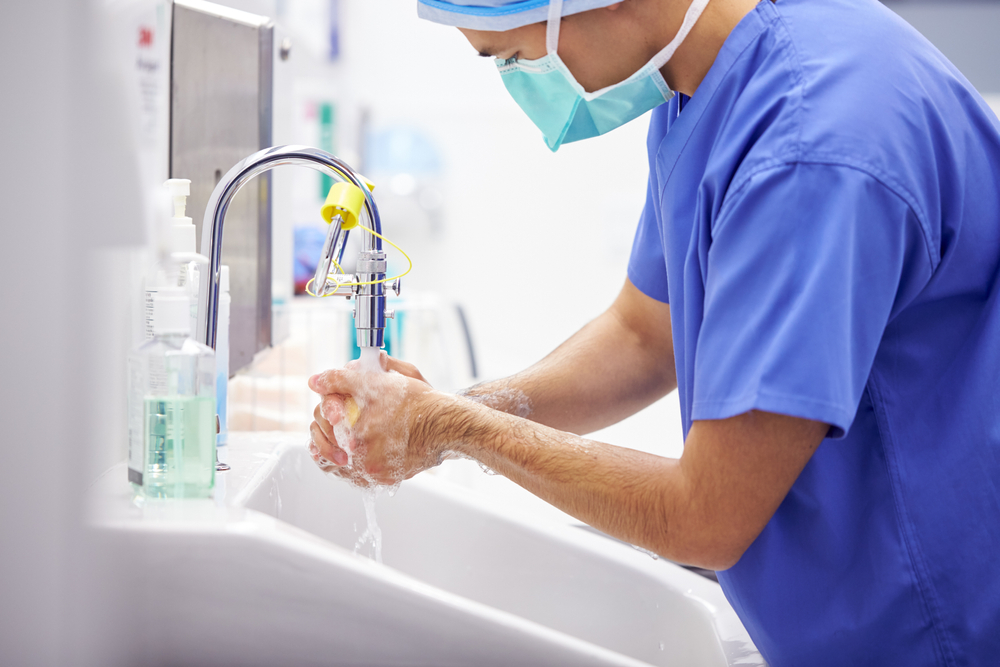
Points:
(329, 382)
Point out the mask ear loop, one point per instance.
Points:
(552, 27)
(690, 18)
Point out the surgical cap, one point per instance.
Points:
(498, 14)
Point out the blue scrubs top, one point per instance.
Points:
(823, 217)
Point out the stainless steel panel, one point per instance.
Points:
(220, 112)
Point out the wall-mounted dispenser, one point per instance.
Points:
(220, 112)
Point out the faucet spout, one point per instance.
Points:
(369, 313)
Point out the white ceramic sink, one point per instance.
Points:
(271, 578)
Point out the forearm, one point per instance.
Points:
(615, 366)
(705, 508)
(637, 497)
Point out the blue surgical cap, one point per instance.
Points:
(498, 14)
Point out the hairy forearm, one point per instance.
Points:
(705, 508)
(615, 366)
(640, 498)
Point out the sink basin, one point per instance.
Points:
(270, 576)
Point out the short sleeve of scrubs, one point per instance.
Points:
(806, 266)
(647, 268)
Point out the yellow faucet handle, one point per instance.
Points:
(345, 200)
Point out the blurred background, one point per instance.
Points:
(514, 247)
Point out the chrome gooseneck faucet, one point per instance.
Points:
(369, 296)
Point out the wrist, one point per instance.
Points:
(451, 423)
(434, 427)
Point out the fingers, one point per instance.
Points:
(331, 409)
(318, 417)
(354, 475)
(332, 459)
(334, 381)
(403, 368)
(355, 364)
(328, 413)
(344, 381)
(324, 464)
(325, 450)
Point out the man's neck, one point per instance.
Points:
(695, 56)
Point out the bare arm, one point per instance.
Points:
(613, 367)
(705, 508)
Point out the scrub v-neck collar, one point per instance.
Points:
(683, 127)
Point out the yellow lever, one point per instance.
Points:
(345, 200)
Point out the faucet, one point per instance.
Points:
(369, 296)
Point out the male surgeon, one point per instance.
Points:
(816, 271)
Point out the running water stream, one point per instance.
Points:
(370, 362)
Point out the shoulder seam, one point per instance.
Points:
(795, 69)
(734, 195)
(796, 152)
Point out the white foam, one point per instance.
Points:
(509, 400)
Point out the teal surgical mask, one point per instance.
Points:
(553, 99)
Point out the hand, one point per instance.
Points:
(364, 425)
(391, 364)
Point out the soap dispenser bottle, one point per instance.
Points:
(172, 424)
(178, 253)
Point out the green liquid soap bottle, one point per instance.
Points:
(172, 423)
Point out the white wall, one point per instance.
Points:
(535, 244)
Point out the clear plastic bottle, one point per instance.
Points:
(172, 423)
(222, 357)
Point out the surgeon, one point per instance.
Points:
(816, 271)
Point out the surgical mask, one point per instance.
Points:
(555, 102)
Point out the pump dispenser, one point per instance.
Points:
(178, 255)
(172, 423)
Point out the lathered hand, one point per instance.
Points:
(367, 425)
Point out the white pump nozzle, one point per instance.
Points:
(181, 240)
(180, 190)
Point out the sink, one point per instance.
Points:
(270, 576)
